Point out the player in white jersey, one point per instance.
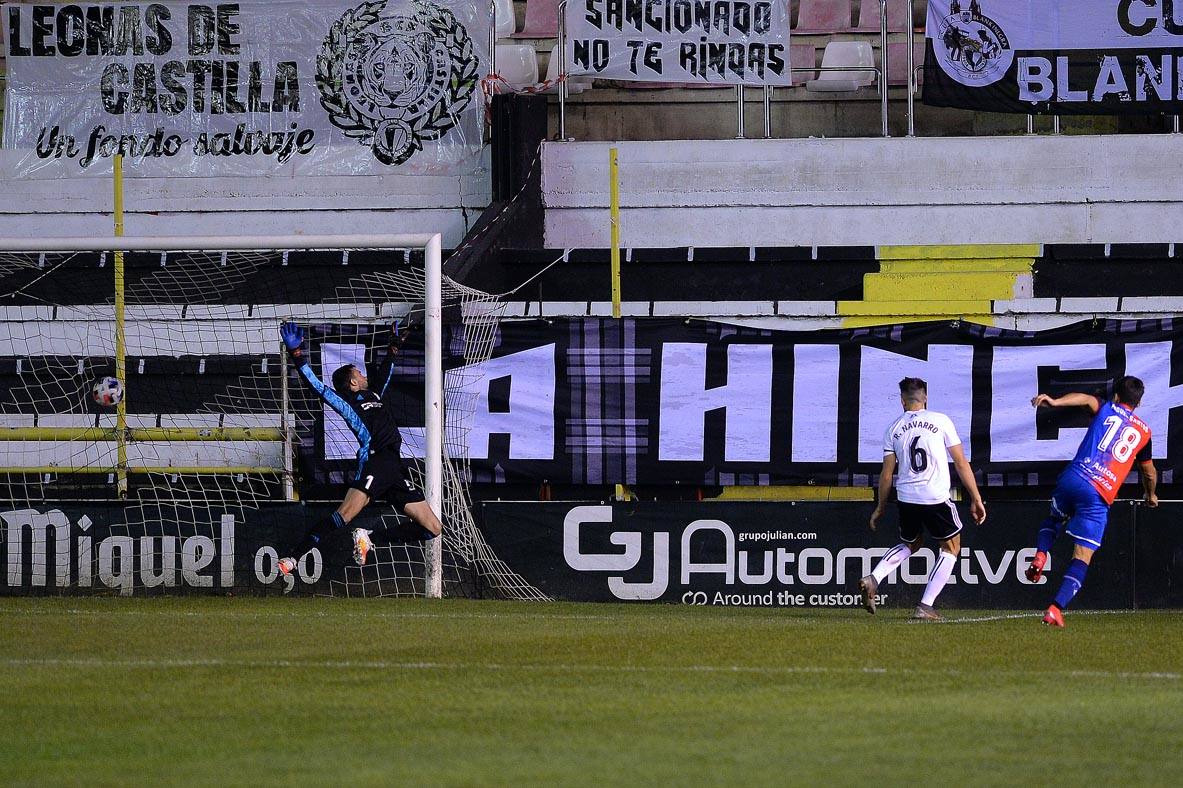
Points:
(920, 443)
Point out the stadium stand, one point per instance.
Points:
(517, 65)
(824, 16)
(941, 283)
(897, 63)
(504, 23)
(847, 287)
(541, 20)
(855, 56)
(897, 17)
(802, 56)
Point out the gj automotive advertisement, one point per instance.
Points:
(781, 554)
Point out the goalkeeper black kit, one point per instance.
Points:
(363, 411)
(380, 471)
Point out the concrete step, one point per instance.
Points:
(1013, 265)
(952, 308)
(960, 252)
(868, 321)
(937, 289)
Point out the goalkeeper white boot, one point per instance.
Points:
(361, 545)
(287, 566)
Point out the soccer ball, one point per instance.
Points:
(107, 391)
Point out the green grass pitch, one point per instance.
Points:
(418, 692)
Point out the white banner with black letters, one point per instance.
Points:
(721, 42)
(285, 87)
(669, 401)
(1090, 57)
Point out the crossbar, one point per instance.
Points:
(210, 470)
(211, 434)
(214, 243)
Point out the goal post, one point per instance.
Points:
(24, 269)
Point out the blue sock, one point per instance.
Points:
(319, 531)
(1048, 533)
(1073, 580)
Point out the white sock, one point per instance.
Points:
(887, 564)
(938, 577)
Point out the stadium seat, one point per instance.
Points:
(897, 16)
(803, 56)
(574, 84)
(542, 20)
(897, 63)
(517, 64)
(824, 16)
(505, 22)
(844, 54)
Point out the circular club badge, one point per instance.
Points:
(971, 47)
(393, 81)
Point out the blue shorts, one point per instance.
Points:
(1077, 503)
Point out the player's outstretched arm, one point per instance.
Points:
(977, 508)
(293, 339)
(1073, 400)
(399, 331)
(1149, 476)
(884, 488)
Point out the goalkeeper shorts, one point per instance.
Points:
(384, 477)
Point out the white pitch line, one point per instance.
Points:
(560, 668)
(1010, 616)
(249, 614)
(794, 617)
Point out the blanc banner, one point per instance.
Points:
(1090, 57)
(665, 401)
(324, 86)
(719, 42)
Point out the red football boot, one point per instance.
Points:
(1035, 569)
(1054, 617)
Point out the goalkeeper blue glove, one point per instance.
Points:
(399, 331)
(292, 336)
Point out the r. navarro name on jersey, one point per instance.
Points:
(914, 425)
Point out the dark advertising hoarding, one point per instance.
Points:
(807, 554)
(112, 548)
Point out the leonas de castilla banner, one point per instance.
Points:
(324, 86)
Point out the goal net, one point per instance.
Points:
(206, 457)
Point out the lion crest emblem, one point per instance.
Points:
(393, 81)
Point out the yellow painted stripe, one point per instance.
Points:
(869, 321)
(904, 308)
(1014, 265)
(959, 252)
(940, 287)
(939, 283)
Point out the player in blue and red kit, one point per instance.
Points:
(1080, 505)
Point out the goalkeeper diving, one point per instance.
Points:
(380, 470)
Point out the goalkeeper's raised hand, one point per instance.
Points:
(399, 331)
(293, 337)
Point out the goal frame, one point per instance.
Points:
(432, 245)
